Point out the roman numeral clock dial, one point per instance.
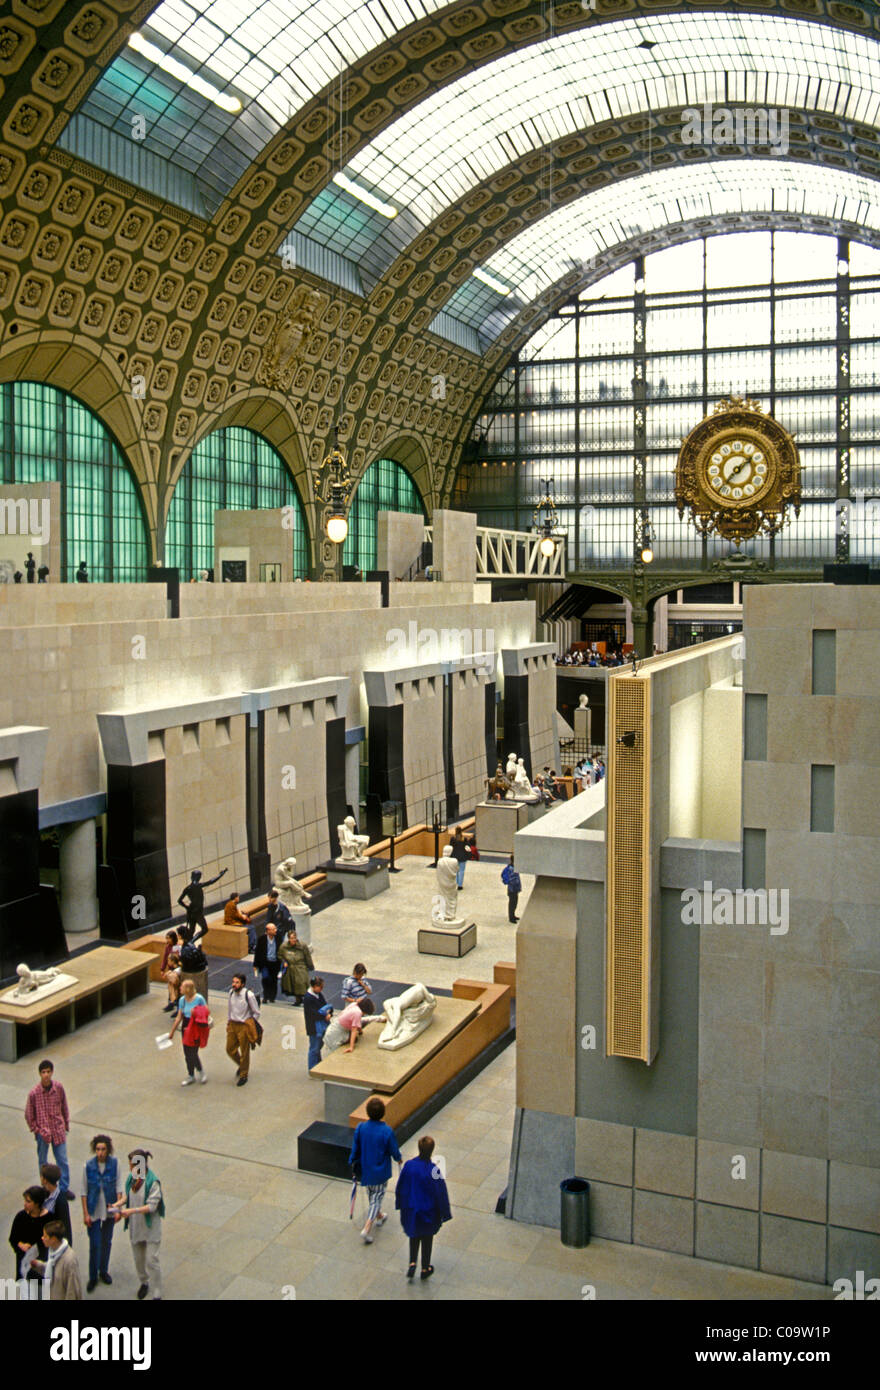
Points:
(738, 471)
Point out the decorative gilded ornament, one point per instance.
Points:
(738, 471)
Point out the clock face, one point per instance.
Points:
(736, 469)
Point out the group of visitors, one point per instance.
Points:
(421, 1196)
(589, 771)
(42, 1232)
(577, 656)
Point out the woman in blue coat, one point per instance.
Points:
(423, 1203)
(372, 1150)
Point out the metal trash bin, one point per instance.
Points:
(575, 1201)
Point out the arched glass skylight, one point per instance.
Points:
(463, 133)
(581, 232)
(269, 56)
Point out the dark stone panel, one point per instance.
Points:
(516, 720)
(448, 748)
(386, 779)
(135, 810)
(324, 1148)
(170, 577)
(19, 845)
(490, 735)
(335, 779)
(255, 792)
(145, 876)
(31, 932)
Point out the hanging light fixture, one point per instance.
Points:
(333, 484)
(647, 541)
(545, 520)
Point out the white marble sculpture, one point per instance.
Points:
(510, 770)
(293, 895)
(583, 701)
(351, 846)
(29, 981)
(445, 909)
(522, 787)
(408, 1015)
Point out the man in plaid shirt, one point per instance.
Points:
(48, 1119)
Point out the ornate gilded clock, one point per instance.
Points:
(738, 471)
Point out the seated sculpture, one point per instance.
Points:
(351, 846)
(498, 787)
(445, 906)
(408, 1015)
(290, 891)
(522, 787)
(31, 980)
(510, 770)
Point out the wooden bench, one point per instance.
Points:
(504, 973)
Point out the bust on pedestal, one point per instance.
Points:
(294, 896)
(582, 719)
(444, 909)
(351, 846)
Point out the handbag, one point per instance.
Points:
(253, 1027)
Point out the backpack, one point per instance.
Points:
(192, 958)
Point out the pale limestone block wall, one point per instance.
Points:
(61, 676)
(212, 600)
(399, 537)
(421, 594)
(256, 535)
(722, 743)
(542, 715)
(422, 743)
(296, 815)
(44, 542)
(468, 740)
(54, 605)
(546, 960)
(455, 545)
(205, 807)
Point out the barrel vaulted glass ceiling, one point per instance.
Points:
(579, 233)
(271, 56)
(254, 66)
(459, 136)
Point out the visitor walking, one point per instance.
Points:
(101, 1191)
(143, 1208)
(192, 1037)
(423, 1202)
(48, 1119)
(316, 1013)
(513, 882)
(298, 963)
(372, 1150)
(243, 1028)
(267, 963)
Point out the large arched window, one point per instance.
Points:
(767, 314)
(231, 468)
(48, 436)
(385, 487)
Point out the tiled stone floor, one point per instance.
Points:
(243, 1223)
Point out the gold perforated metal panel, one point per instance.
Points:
(628, 953)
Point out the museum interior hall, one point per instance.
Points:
(440, 630)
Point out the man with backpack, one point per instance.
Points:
(511, 878)
(243, 1030)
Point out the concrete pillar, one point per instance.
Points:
(78, 877)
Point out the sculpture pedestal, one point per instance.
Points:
(302, 920)
(447, 940)
(447, 921)
(496, 824)
(358, 880)
(582, 724)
